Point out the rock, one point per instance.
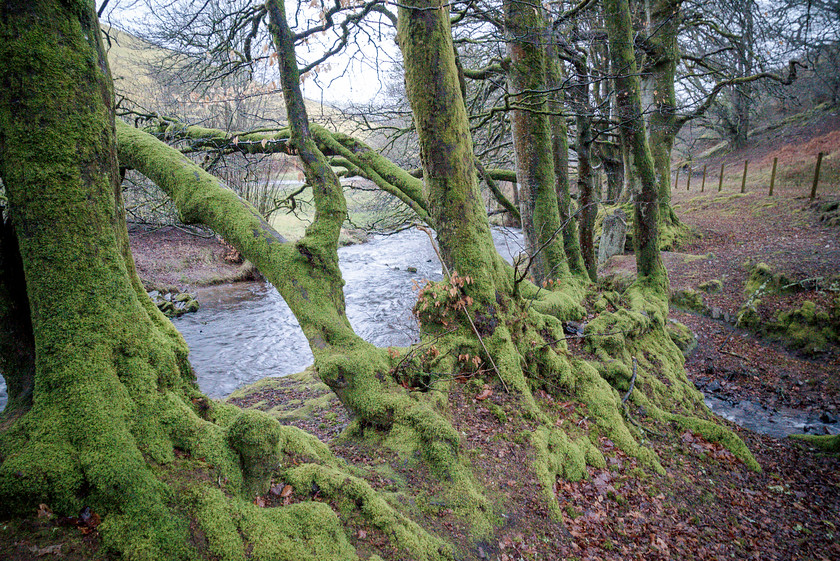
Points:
(613, 237)
(827, 418)
(411, 269)
(574, 328)
(184, 297)
(717, 313)
(192, 306)
(711, 287)
(713, 386)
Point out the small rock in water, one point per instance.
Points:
(411, 269)
(827, 418)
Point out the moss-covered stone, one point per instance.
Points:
(689, 299)
(713, 286)
(682, 337)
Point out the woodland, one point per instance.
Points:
(518, 107)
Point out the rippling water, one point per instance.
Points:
(244, 332)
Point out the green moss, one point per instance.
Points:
(556, 456)
(256, 437)
(688, 299)
(717, 433)
(682, 337)
(355, 493)
(828, 443)
(711, 287)
(497, 412)
(300, 531)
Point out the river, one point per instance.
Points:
(245, 331)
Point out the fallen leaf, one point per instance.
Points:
(361, 534)
(259, 501)
(44, 511)
(287, 490)
(487, 392)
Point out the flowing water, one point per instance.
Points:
(244, 332)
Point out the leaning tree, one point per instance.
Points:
(104, 413)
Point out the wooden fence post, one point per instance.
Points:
(688, 181)
(816, 176)
(703, 185)
(720, 181)
(773, 175)
(744, 178)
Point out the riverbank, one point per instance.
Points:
(185, 258)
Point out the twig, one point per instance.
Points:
(464, 307)
(632, 382)
(742, 357)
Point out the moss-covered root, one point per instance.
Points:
(714, 432)
(559, 456)
(300, 532)
(354, 493)
(829, 443)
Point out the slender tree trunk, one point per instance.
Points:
(640, 171)
(588, 199)
(446, 149)
(531, 133)
(560, 149)
(664, 18)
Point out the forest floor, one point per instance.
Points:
(708, 505)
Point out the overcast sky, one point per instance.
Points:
(353, 78)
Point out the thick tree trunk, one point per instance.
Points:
(525, 28)
(106, 361)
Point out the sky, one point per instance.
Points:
(356, 77)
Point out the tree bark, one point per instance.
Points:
(663, 25)
(560, 150)
(525, 30)
(640, 171)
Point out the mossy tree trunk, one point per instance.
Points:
(664, 20)
(525, 37)
(640, 170)
(446, 148)
(560, 150)
(109, 369)
(587, 200)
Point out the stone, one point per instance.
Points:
(613, 236)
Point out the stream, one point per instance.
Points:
(245, 331)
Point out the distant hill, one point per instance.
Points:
(136, 67)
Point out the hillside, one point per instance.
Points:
(136, 66)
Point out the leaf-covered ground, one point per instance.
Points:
(707, 506)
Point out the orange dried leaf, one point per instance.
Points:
(487, 392)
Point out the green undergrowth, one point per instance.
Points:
(828, 443)
(811, 327)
